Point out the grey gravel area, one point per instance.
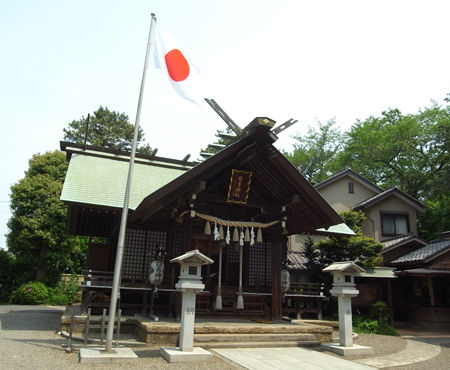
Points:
(382, 344)
(29, 340)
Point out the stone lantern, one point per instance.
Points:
(344, 288)
(189, 284)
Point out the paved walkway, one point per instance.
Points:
(415, 351)
(286, 359)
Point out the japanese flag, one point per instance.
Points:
(181, 72)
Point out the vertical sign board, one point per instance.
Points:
(239, 186)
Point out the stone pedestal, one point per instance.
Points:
(189, 284)
(344, 289)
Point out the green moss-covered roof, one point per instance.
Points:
(101, 181)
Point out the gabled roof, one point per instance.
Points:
(401, 240)
(355, 176)
(275, 181)
(394, 191)
(425, 254)
(98, 176)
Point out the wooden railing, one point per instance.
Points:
(304, 298)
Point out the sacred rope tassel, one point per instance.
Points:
(259, 238)
(220, 232)
(241, 238)
(240, 298)
(252, 237)
(235, 235)
(247, 236)
(227, 239)
(207, 228)
(216, 232)
(219, 283)
(283, 225)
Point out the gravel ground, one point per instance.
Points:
(28, 340)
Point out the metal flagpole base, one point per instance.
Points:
(219, 302)
(240, 302)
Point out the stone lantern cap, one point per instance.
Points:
(348, 267)
(191, 269)
(194, 257)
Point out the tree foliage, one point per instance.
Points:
(359, 248)
(409, 151)
(314, 154)
(220, 140)
(106, 129)
(37, 229)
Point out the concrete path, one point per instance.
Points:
(286, 359)
(415, 351)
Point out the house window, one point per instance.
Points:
(350, 188)
(394, 224)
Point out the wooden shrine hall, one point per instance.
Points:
(237, 207)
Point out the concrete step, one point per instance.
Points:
(245, 338)
(274, 344)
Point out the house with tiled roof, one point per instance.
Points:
(422, 290)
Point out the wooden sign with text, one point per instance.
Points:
(239, 186)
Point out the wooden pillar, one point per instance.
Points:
(277, 246)
(389, 302)
(187, 245)
(431, 291)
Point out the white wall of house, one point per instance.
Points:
(393, 205)
(338, 196)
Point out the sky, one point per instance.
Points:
(307, 60)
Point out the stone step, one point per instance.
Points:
(275, 344)
(245, 338)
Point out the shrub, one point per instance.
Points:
(58, 300)
(379, 311)
(33, 292)
(368, 326)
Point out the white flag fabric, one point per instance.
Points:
(181, 72)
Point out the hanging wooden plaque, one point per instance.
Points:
(239, 186)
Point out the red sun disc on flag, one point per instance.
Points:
(177, 65)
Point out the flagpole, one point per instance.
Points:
(123, 222)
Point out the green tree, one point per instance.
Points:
(106, 129)
(359, 248)
(37, 229)
(436, 218)
(408, 151)
(223, 139)
(314, 154)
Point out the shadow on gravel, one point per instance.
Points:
(31, 320)
(44, 343)
(147, 353)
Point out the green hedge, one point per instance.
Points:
(33, 292)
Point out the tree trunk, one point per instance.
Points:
(41, 271)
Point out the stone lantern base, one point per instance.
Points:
(174, 354)
(354, 350)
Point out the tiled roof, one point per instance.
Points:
(423, 254)
(385, 194)
(401, 240)
(296, 260)
(350, 172)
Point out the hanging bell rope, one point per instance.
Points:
(207, 230)
(219, 221)
(235, 235)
